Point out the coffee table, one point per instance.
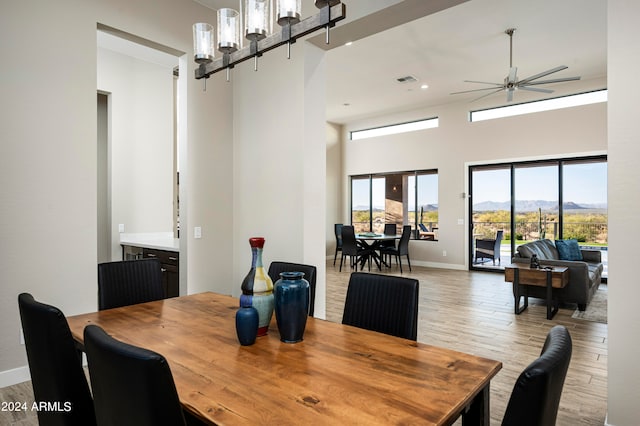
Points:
(521, 274)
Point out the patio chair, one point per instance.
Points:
(489, 248)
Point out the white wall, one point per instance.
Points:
(48, 154)
(624, 204)
(141, 144)
(458, 142)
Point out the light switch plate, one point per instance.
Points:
(460, 221)
(197, 232)
(121, 227)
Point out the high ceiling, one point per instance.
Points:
(467, 42)
(463, 42)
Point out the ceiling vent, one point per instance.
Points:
(406, 79)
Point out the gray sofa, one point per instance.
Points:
(584, 276)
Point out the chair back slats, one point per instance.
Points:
(129, 282)
(383, 303)
(55, 364)
(536, 394)
(276, 268)
(131, 385)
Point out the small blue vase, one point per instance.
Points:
(247, 325)
(291, 299)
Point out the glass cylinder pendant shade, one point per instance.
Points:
(228, 30)
(288, 11)
(203, 42)
(256, 19)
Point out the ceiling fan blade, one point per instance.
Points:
(542, 74)
(512, 74)
(475, 90)
(555, 80)
(488, 94)
(509, 95)
(535, 89)
(483, 82)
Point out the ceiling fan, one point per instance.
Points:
(511, 82)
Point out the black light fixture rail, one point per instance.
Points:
(325, 18)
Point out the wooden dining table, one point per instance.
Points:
(338, 375)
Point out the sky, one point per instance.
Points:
(584, 183)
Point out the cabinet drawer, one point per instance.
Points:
(166, 257)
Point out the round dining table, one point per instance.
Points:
(373, 242)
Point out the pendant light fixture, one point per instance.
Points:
(288, 13)
(256, 24)
(258, 21)
(228, 33)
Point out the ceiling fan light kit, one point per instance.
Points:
(511, 82)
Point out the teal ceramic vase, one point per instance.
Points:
(257, 287)
(291, 298)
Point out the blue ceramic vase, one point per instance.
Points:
(291, 299)
(247, 325)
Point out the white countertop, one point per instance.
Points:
(152, 240)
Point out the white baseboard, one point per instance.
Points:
(15, 376)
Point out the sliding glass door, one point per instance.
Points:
(490, 213)
(527, 201)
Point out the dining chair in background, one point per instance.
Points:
(389, 229)
(276, 268)
(351, 248)
(337, 230)
(129, 282)
(536, 394)
(131, 385)
(382, 303)
(55, 364)
(402, 249)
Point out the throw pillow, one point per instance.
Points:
(569, 249)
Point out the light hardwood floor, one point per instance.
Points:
(472, 312)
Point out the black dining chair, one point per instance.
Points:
(337, 230)
(382, 303)
(276, 268)
(351, 248)
(129, 282)
(402, 249)
(389, 229)
(55, 364)
(536, 394)
(131, 385)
